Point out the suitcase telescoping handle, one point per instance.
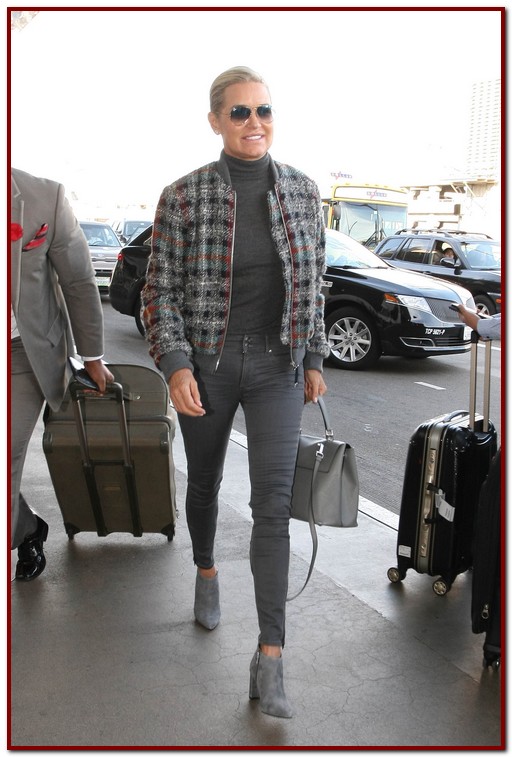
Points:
(113, 391)
(473, 381)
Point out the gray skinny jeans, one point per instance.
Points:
(255, 373)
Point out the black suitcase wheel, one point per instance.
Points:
(494, 663)
(395, 576)
(441, 587)
(492, 656)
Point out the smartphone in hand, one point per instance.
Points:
(81, 375)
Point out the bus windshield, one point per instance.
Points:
(368, 222)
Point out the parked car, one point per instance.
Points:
(129, 276)
(371, 308)
(472, 260)
(127, 228)
(104, 246)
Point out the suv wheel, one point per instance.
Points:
(353, 339)
(484, 305)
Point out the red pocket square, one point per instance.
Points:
(38, 239)
(16, 232)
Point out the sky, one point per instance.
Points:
(114, 103)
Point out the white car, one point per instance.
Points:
(104, 247)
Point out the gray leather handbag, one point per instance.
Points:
(326, 484)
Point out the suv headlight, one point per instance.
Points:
(409, 300)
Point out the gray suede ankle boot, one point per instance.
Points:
(266, 684)
(207, 601)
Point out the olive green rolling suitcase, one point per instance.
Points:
(110, 456)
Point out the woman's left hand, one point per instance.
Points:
(314, 385)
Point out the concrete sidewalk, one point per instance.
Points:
(106, 653)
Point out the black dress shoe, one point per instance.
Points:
(31, 559)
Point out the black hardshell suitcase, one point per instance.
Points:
(110, 457)
(447, 461)
(487, 554)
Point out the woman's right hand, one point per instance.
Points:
(185, 393)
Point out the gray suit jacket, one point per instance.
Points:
(54, 294)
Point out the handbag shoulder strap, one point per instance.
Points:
(311, 517)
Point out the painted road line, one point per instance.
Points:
(431, 386)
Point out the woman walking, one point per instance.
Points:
(233, 313)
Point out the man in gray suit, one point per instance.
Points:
(55, 305)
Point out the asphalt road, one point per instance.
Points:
(375, 411)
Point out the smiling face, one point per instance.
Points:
(252, 139)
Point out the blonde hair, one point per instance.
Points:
(225, 79)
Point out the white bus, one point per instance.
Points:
(366, 212)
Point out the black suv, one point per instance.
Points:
(471, 260)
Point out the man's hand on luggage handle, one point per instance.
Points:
(99, 373)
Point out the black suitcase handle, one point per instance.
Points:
(473, 381)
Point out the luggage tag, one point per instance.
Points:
(446, 510)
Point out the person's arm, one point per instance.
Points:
(318, 348)
(470, 317)
(490, 328)
(314, 384)
(163, 294)
(162, 299)
(71, 259)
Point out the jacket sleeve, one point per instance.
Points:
(490, 328)
(71, 259)
(164, 292)
(318, 347)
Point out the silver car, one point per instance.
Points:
(104, 246)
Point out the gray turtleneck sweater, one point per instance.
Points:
(257, 296)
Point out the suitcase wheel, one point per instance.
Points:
(71, 530)
(494, 663)
(441, 587)
(395, 575)
(492, 656)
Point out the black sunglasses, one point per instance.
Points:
(239, 114)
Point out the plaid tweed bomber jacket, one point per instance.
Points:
(186, 298)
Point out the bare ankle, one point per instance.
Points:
(208, 572)
(270, 650)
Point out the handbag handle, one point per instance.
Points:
(329, 433)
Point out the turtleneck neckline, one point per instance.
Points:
(238, 166)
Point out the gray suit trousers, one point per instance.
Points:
(27, 401)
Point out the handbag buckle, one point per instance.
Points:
(320, 451)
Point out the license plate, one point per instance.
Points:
(103, 281)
